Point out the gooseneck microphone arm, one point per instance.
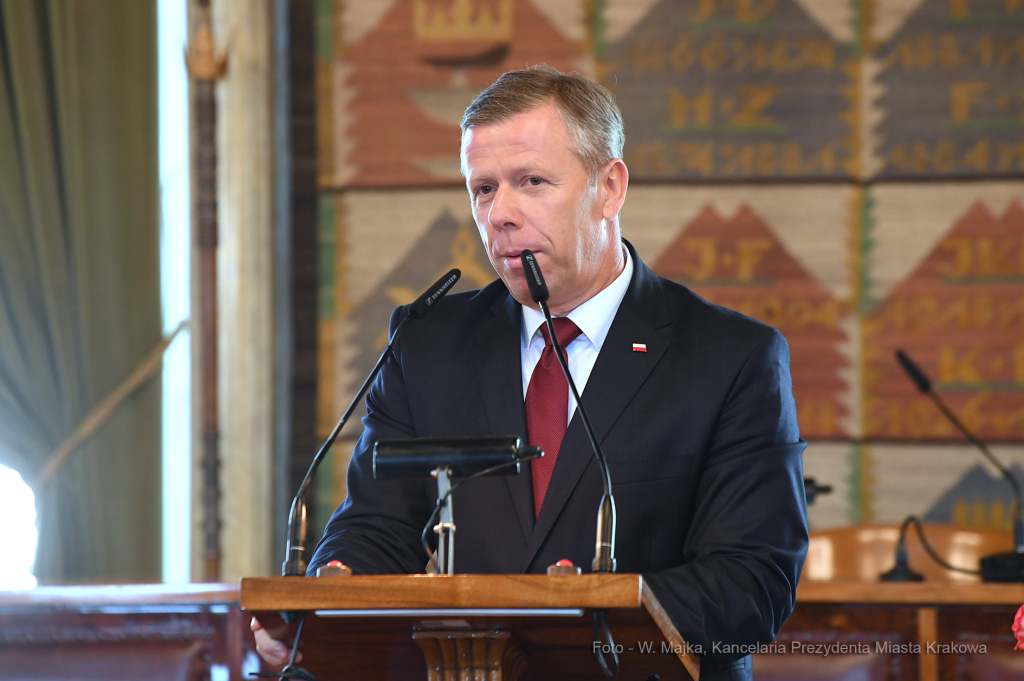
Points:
(925, 386)
(604, 555)
(902, 572)
(294, 563)
(604, 558)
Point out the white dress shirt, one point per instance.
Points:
(594, 318)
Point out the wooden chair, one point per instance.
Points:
(863, 552)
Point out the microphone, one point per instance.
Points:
(604, 557)
(604, 554)
(294, 563)
(914, 372)
(423, 304)
(1001, 567)
(901, 571)
(534, 278)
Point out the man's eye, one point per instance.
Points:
(485, 189)
(535, 181)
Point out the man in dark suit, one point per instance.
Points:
(692, 403)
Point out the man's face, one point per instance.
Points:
(530, 191)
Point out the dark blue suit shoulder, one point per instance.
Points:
(691, 313)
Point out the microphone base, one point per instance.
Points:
(1003, 567)
(293, 568)
(901, 573)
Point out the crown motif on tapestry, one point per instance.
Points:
(462, 19)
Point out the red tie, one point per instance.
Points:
(547, 407)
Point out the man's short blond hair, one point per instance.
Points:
(588, 110)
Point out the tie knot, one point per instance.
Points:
(565, 328)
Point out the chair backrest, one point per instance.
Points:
(863, 552)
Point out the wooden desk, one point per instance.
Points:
(932, 594)
(927, 631)
(154, 632)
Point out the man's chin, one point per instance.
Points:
(516, 286)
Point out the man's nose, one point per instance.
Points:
(504, 211)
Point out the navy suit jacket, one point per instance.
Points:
(700, 434)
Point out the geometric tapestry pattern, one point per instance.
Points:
(848, 171)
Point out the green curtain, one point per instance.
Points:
(79, 276)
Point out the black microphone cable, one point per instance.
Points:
(291, 670)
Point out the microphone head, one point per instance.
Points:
(534, 278)
(426, 302)
(915, 374)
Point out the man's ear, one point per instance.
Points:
(612, 182)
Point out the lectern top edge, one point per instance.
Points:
(390, 599)
(442, 591)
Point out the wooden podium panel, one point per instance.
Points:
(524, 626)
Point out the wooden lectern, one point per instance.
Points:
(473, 627)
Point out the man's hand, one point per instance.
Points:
(273, 651)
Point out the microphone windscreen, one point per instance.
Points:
(916, 375)
(433, 294)
(534, 278)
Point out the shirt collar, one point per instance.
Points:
(594, 317)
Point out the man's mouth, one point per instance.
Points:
(512, 259)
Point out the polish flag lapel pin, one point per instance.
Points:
(639, 347)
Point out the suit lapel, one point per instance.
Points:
(617, 376)
(499, 371)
